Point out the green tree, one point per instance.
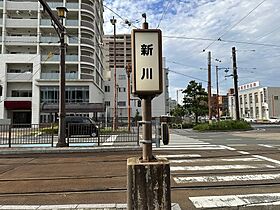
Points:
(178, 113)
(195, 100)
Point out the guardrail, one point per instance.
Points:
(45, 135)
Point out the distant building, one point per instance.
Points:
(160, 104)
(172, 104)
(222, 103)
(256, 102)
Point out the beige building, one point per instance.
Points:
(256, 102)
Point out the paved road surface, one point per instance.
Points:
(208, 171)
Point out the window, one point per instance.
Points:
(256, 98)
(250, 98)
(122, 77)
(107, 88)
(21, 93)
(121, 103)
(275, 97)
(107, 103)
(122, 89)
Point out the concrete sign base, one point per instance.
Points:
(148, 184)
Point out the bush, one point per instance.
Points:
(224, 126)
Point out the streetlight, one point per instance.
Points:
(114, 21)
(61, 12)
(128, 72)
(61, 32)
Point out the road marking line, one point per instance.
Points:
(110, 140)
(189, 145)
(243, 152)
(237, 145)
(179, 156)
(267, 159)
(228, 148)
(265, 145)
(236, 200)
(190, 148)
(254, 177)
(218, 167)
(216, 160)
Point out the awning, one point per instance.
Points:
(17, 105)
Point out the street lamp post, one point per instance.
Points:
(61, 32)
(128, 72)
(113, 21)
(61, 11)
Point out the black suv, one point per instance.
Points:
(78, 125)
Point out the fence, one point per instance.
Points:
(45, 135)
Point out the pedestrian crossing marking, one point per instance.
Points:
(243, 178)
(179, 156)
(216, 160)
(267, 199)
(218, 167)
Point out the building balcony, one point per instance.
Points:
(56, 58)
(87, 59)
(55, 76)
(87, 24)
(87, 7)
(20, 40)
(71, 22)
(26, 76)
(72, 5)
(21, 5)
(21, 23)
(55, 39)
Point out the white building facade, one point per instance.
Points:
(160, 104)
(29, 59)
(256, 102)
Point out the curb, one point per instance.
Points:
(65, 150)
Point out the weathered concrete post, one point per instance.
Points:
(148, 182)
(148, 185)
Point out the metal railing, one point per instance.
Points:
(45, 135)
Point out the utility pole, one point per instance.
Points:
(217, 83)
(113, 21)
(128, 72)
(61, 31)
(209, 88)
(235, 81)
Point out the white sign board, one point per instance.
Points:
(146, 62)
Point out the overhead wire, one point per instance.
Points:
(234, 25)
(164, 12)
(176, 72)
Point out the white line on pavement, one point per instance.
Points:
(179, 156)
(236, 200)
(215, 160)
(243, 152)
(110, 140)
(265, 145)
(254, 177)
(267, 159)
(218, 167)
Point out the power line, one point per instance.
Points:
(223, 40)
(186, 75)
(233, 25)
(164, 12)
(124, 19)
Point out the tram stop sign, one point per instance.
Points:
(146, 62)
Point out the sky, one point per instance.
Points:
(192, 28)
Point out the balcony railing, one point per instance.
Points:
(55, 76)
(72, 5)
(27, 76)
(71, 22)
(55, 58)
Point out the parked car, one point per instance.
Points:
(250, 120)
(78, 125)
(274, 120)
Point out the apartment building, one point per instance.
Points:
(256, 102)
(30, 60)
(160, 105)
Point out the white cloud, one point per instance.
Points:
(209, 19)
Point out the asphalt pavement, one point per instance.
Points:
(225, 170)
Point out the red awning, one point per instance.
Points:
(17, 105)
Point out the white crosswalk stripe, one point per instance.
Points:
(178, 142)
